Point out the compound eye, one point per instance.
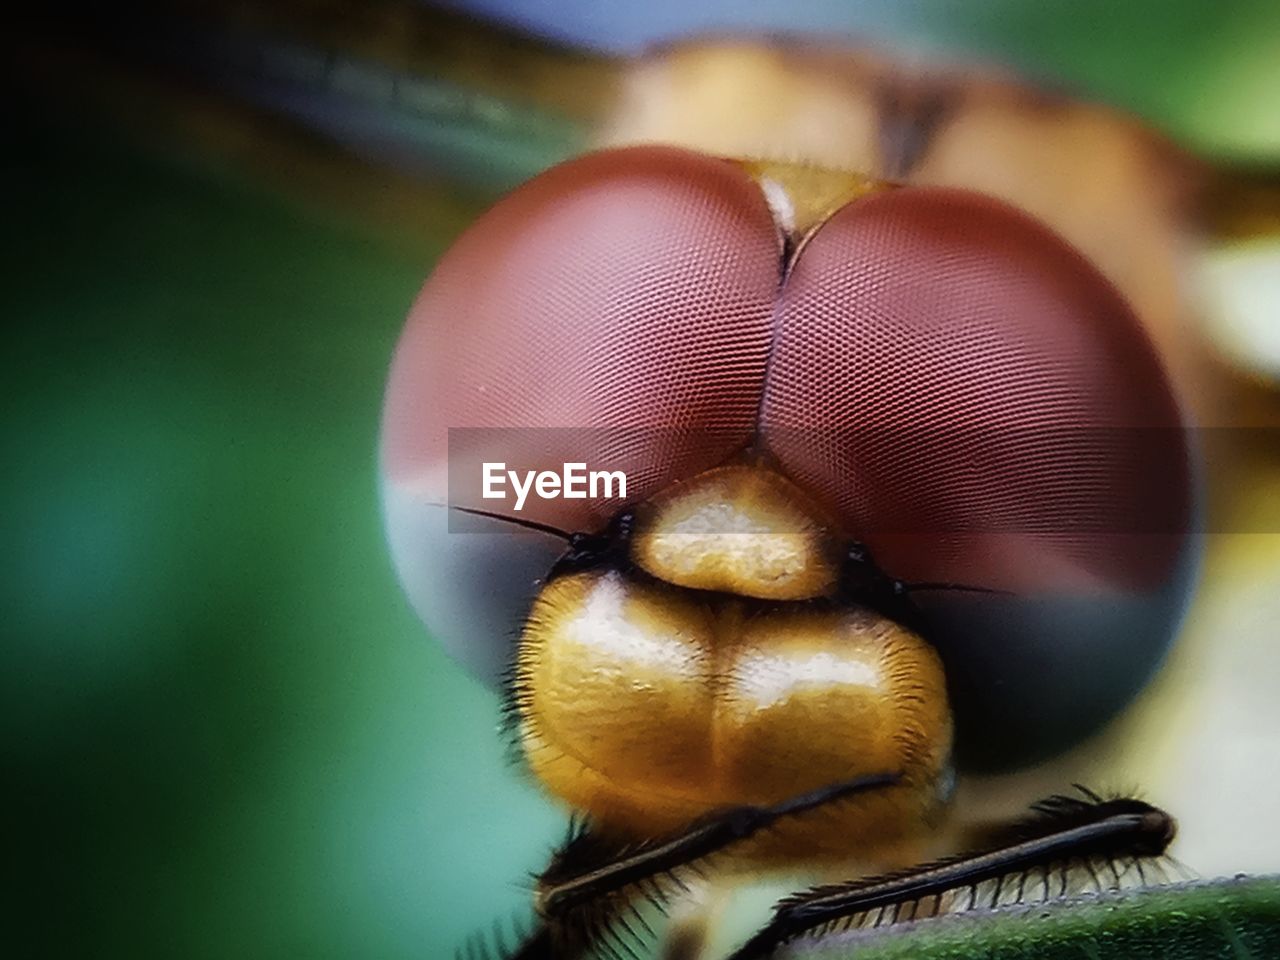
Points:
(979, 405)
(613, 311)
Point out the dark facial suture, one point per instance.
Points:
(910, 111)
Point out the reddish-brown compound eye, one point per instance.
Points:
(615, 311)
(956, 385)
(979, 405)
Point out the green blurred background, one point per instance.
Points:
(231, 736)
(228, 734)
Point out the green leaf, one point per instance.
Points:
(1236, 919)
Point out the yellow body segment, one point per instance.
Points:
(738, 529)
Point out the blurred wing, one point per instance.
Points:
(388, 113)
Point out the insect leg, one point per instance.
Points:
(1060, 830)
(572, 881)
(589, 892)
